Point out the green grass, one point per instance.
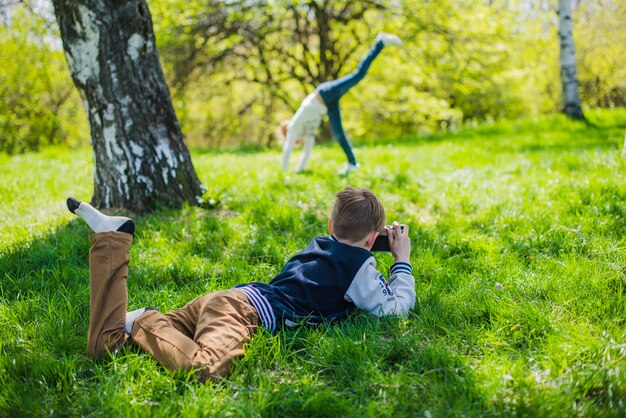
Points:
(537, 206)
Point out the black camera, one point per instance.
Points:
(381, 244)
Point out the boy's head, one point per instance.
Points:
(356, 214)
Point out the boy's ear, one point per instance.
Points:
(371, 238)
(330, 225)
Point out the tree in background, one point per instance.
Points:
(283, 49)
(569, 77)
(140, 157)
(237, 67)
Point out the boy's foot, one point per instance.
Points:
(348, 168)
(132, 315)
(389, 39)
(97, 220)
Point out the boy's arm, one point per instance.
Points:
(372, 293)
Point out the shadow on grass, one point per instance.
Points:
(45, 298)
(44, 308)
(362, 366)
(45, 302)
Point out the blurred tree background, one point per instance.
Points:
(238, 67)
(38, 102)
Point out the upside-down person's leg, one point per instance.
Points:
(331, 91)
(334, 89)
(336, 127)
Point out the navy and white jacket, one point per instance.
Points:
(326, 281)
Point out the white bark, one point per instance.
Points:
(141, 159)
(569, 77)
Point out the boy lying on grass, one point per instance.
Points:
(324, 282)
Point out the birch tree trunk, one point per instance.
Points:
(138, 147)
(569, 77)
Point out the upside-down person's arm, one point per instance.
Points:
(308, 147)
(293, 131)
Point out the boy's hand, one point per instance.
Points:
(399, 242)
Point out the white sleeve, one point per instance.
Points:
(371, 293)
(293, 132)
(308, 147)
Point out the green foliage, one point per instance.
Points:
(450, 70)
(38, 103)
(536, 206)
(600, 46)
(236, 68)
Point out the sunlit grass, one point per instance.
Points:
(535, 207)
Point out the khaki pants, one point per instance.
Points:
(207, 334)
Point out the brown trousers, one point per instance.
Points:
(207, 334)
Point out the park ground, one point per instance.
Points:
(519, 255)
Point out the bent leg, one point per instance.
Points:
(223, 321)
(331, 91)
(108, 269)
(169, 337)
(185, 319)
(227, 323)
(336, 127)
(155, 333)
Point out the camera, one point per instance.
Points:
(381, 244)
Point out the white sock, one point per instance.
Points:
(97, 220)
(348, 167)
(130, 319)
(389, 39)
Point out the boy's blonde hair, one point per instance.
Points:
(357, 213)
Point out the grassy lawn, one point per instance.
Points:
(519, 254)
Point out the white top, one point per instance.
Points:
(303, 125)
(307, 119)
